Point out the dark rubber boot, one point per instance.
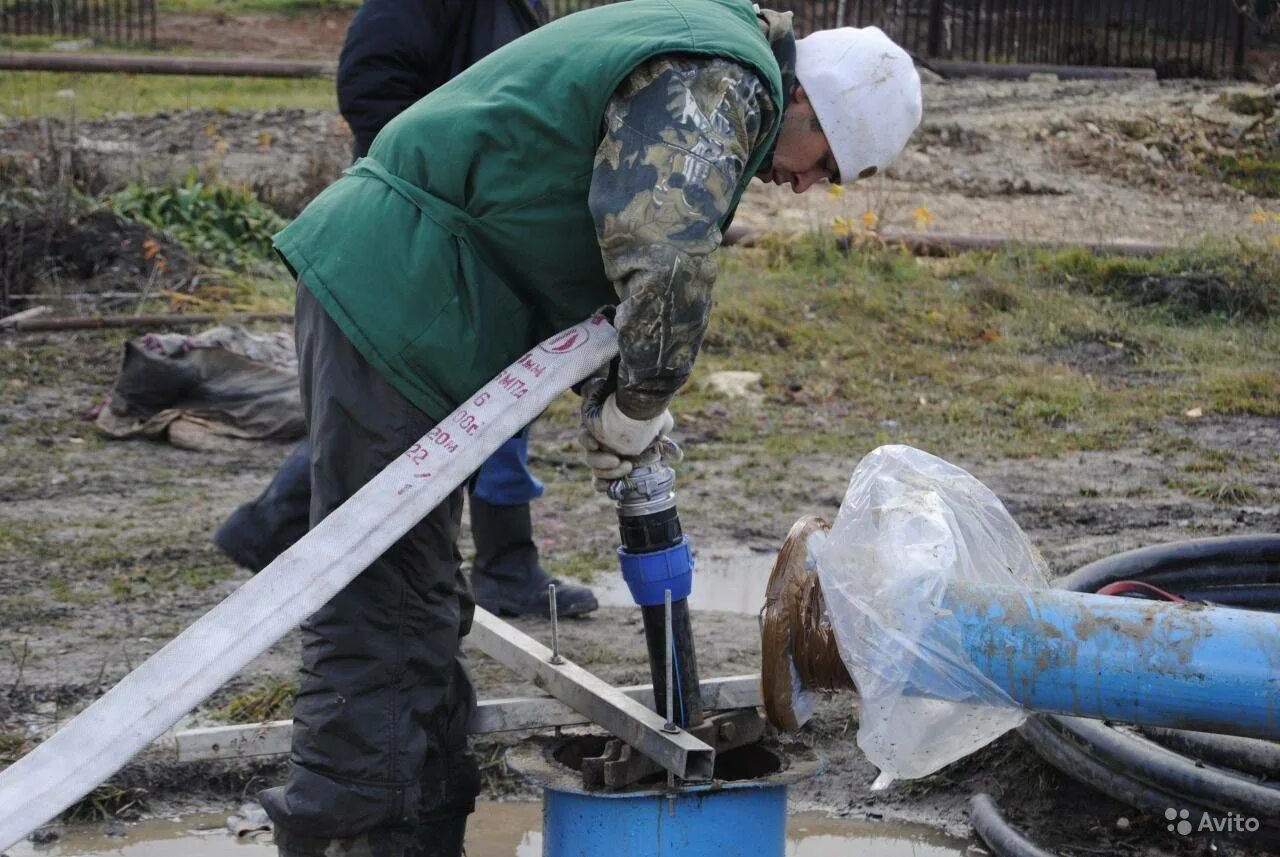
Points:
(262, 529)
(506, 577)
(440, 838)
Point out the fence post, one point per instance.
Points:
(1242, 37)
(934, 43)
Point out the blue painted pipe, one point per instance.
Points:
(1177, 665)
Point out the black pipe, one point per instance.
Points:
(687, 710)
(995, 830)
(1070, 758)
(1212, 557)
(649, 533)
(1248, 755)
(1157, 766)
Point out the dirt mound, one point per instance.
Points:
(286, 156)
(98, 254)
(1230, 135)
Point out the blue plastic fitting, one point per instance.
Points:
(649, 575)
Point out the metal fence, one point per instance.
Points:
(1178, 38)
(115, 21)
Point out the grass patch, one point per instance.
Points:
(1223, 492)
(13, 746)
(1227, 282)
(1210, 461)
(92, 96)
(106, 802)
(271, 701)
(1236, 390)
(1259, 176)
(22, 538)
(999, 355)
(582, 565)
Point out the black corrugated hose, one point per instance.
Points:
(1165, 768)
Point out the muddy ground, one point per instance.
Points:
(104, 546)
(105, 554)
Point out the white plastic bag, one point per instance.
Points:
(910, 525)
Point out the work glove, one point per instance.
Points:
(615, 444)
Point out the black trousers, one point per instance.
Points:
(379, 737)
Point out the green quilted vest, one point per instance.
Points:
(464, 238)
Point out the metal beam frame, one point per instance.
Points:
(272, 738)
(597, 700)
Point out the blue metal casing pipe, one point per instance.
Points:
(743, 815)
(719, 822)
(1178, 665)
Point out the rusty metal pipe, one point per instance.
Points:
(942, 244)
(144, 64)
(1021, 71)
(934, 244)
(100, 322)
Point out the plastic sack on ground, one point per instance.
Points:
(909, 526)
(220, 389)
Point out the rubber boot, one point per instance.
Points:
(440, 838)
(437, 838)
(506, 577)
(262, 529)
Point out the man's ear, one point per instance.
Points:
(798, 95)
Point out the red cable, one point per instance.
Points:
(1124, 587)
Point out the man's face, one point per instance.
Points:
(802, 156)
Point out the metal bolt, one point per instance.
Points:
(555, 627)
(728, 731)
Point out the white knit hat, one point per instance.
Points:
(865, 92)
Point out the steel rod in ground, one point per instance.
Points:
(669, 648)
(679, 752)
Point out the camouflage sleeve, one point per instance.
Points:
(678, 135)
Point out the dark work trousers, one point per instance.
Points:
(380, 760)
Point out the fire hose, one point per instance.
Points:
(102, 738)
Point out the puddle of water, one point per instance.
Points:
(816, 835)
(496, 830)
(732, 579)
